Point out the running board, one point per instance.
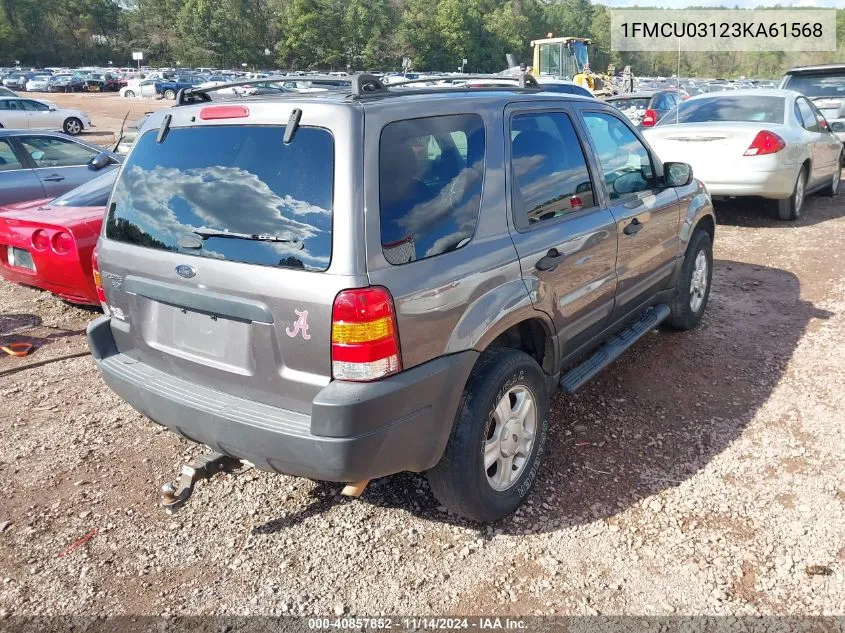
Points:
(574, 379)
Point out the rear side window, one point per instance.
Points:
(8, 160)
(807, 116)
(430, 176)
(229, 192)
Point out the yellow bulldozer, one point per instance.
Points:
(569, 58)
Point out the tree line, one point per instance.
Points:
(340, 34)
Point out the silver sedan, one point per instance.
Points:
(773, 144)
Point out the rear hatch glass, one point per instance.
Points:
(230, 193)
(636, 103)
(724, 108)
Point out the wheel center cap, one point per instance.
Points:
(509, 442)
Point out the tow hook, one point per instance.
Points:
(203, 467)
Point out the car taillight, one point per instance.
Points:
(98, 281)
(365, 339)
(649, 118)
(62, 243)
(765, 143)
(40, 240)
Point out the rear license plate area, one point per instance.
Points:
(20, 258)
(201, 337)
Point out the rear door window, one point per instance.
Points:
(430, 176)
(229, 192)
(549, 168)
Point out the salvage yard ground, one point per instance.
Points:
(702, 473)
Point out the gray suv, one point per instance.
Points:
(348, 284)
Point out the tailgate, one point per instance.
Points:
(215, 259)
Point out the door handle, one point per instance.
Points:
(633, 228)
(550, 260)
(54, 178)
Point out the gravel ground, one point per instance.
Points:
(701, 474)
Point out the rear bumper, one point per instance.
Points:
(356, 431)
(777, 185)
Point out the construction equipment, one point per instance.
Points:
(569, 58)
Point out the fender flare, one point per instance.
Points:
(492, 313)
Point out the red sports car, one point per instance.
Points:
(48, 243)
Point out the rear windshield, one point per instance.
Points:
(637, 103)
(828, 85)
(94, 193)
(726, 108)
(229, 192)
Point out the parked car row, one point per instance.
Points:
(87, 80)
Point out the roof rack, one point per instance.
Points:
(524, 80)
(361, 84)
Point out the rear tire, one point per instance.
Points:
(833, 188)
(129, 94)
(72, 126)
(693, 289)
(170, 94)
(790, 209)
(494, 453)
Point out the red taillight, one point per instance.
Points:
(575, 202)
(62, 243)
(40, 240)
(223, 112)
(365, 339)
(649, 118)
(98, 281)
(765, 143)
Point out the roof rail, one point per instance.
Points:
(525, 80)
(361, 84)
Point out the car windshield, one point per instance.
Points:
(750, 108)
(628, 103)
(229, 178)
(94, 193)
(829, 85)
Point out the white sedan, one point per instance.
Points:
(39, 83)
(139, 88)
(773, 144)
(22, 114)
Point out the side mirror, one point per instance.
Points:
(53, 109)
(677, 174)
(100, 160)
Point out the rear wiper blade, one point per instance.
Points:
(258, 237)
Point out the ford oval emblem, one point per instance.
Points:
(186, 271)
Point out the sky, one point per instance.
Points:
(742, 4)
